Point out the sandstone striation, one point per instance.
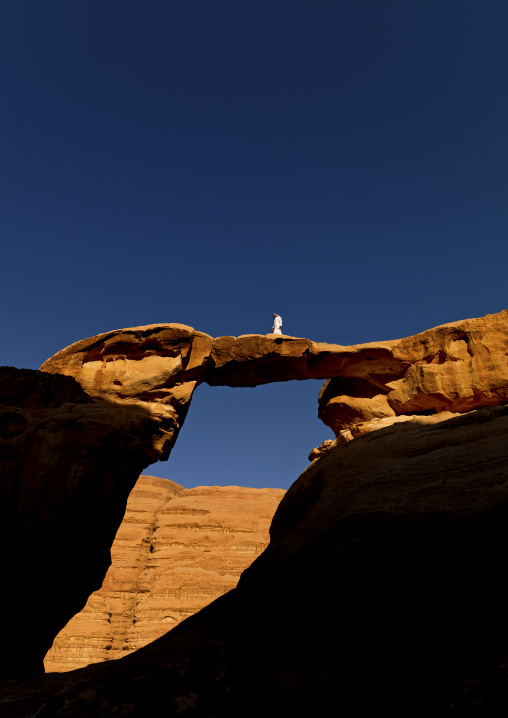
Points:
(176, 551)
(382, 590)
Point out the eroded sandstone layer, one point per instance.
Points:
(176, 551)
(382, 591)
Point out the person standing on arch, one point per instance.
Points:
(277, 324)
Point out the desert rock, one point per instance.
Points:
(455, 367)
(141, 382)
(176, 551)
(67, 466)
(150, 373)
(395, 541)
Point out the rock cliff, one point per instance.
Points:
(176, 551)
(382, 590)
(67, 466)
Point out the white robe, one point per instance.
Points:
(277, 324)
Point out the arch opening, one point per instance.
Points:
(258, 437)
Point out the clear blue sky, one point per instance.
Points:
(344, 164)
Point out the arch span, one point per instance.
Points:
(158, 367)
(149, 374)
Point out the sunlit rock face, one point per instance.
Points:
(147, 373)
(175, 552)
(453, 368)
(395, 543)
(66, 468)
(150, 373)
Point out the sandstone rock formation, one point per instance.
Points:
(374, 425)
(382, 591)
(176, 551)
(67, 466)
(141, 381)
(149, 373)
(452, 368)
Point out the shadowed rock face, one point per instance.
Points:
(67, 466)
(382, 590)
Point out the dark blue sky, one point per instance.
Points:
(344, 164)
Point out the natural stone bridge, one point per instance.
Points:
(150, 373)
